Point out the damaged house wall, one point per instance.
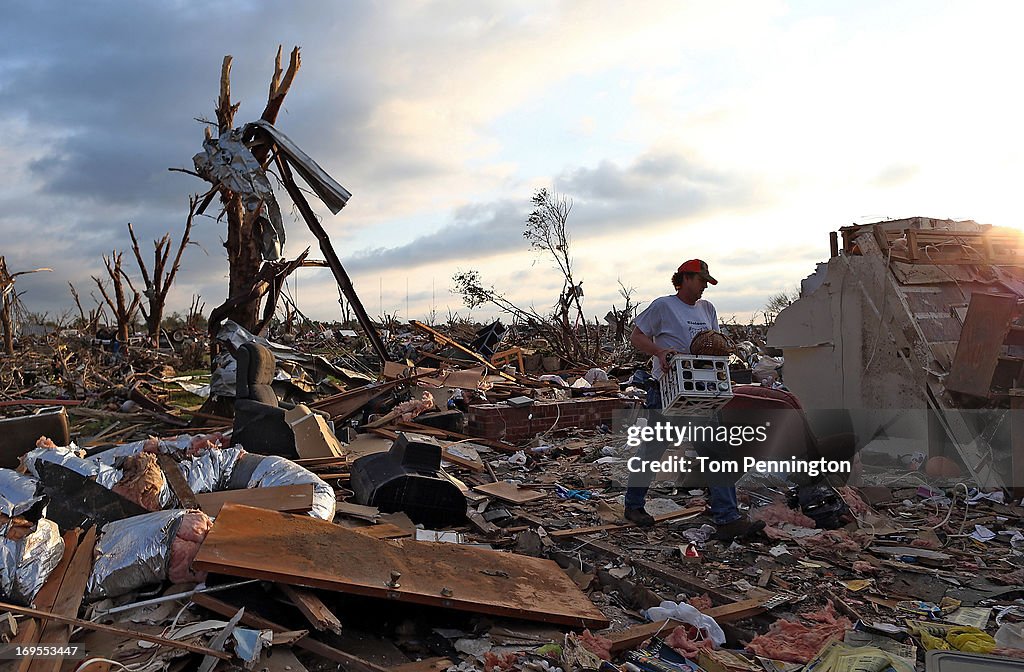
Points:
(876, 331)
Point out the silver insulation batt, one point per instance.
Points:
(273, 471)
(25, 563)
(133, 553)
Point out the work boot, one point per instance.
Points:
(742, 528)
(640, 517)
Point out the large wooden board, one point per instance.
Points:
(302, 551)
(981, 342)
(290, 498)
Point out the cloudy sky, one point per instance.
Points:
(738, 132)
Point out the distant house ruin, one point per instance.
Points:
(915, 325)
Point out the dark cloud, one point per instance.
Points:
(480, 230)
(653, 189)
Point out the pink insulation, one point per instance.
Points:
(142, 481)
(853, 500)
(596, 644)
(191, 532)
(777, 514)
(687, 642)
(794, 642)
(700, 602)
(862, 567)
(410, 409)
(203, 442)
(833, 541)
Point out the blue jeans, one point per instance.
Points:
(723, 497)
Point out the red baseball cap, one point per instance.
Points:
(697, 266)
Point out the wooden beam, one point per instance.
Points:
(290, 498)
(312, 607)
(123, 632)
(667, 574)
(660, 518)
(441, 338)
(981, 342)
(313, 646)
(179, 486)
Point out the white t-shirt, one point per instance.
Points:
(671, 323)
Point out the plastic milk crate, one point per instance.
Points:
(695, 385)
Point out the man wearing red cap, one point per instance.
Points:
(665, 328)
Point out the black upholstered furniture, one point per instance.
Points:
(260, 425)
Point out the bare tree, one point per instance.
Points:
(777, 303)
(195, 313)
(620, 319)
(124, 309)
(547, 231)
(243, 239)
(88, 322)
(159, 282)
(10, 305)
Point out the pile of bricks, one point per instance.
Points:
(520, 423)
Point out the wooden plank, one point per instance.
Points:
(382, 531)
(981, 342)
(309, 644)
(668, 574)
(737, 611)
(179, 486)
(134, 634)
(660, 518)
(632, 636)
(303, 551)
(290, 498)
(509, 492)
(312, 607)
(624, 640)
(68, 600)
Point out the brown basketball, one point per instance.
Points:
(710, 342)
(941, 467)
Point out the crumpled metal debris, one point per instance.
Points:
(227, 161)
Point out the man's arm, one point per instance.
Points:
(646, 345)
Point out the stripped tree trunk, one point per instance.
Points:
(243, 245)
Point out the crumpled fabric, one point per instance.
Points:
(26, 563)
(228, 162)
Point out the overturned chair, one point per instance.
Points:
(260, 425)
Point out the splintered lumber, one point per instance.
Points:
(667, 574)
(68, 600)
(509, 492)
(444, 340)
(629, 638)
(660, 518)
(123, 632)
(290, 498)
(309, 644)
(312, 607)
(300, 550)
(175, 479)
